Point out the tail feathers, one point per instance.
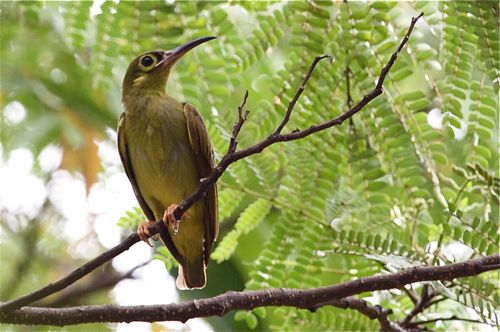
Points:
(192, 275)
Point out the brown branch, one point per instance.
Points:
(427, 299)
(437, 300)
(291, 104)
(422, 322)
(222, 304)
(228, 159)
(422, 304)
(411, 294)
(349, 100)
(363, 307)
(347, 74)
(233, 156)
(237, 126)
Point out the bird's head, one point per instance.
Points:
(148, 73)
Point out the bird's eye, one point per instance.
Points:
(147, 61)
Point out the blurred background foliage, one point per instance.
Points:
(410, 180)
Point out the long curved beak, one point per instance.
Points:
(175, 54)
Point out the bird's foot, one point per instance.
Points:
(143, 232)
(169, 218)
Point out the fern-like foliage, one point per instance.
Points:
(410, 180)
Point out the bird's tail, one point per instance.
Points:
(192, 274)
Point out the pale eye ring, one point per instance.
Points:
(147, 62)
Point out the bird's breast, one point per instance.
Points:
(161, 155)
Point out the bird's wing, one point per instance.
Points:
(200, 143)
(127, 164)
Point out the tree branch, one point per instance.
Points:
(349, 100)
(436, 301)
(421, 305)
(411, 294)
(291, 105)
(371, 311)
(220, 305)
(422, 322)
(229, 158)
(237, 126)
(276, 137)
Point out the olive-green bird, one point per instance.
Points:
(165, 150)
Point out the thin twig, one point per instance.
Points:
(247, 300)
(437, 300)
(237, 126)
(291, 104)
(411, 294)
(349, 101)
(363, 307)
(425, 298)
(347, 74)
(228, 159)
(206, 183)
(422, 322)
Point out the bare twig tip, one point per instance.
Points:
(415, 19)
(326, 56)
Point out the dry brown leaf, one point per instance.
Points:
(83, 158)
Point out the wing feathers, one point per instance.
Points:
(200, 143)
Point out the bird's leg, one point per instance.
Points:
(169, 218)
(143, 232)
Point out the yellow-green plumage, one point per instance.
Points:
(165, 150)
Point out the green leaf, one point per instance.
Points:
(260, 312)
(251, 321)
(240, 315)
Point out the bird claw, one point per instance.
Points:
(175, 226)
(143, 232)
(169, 219)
